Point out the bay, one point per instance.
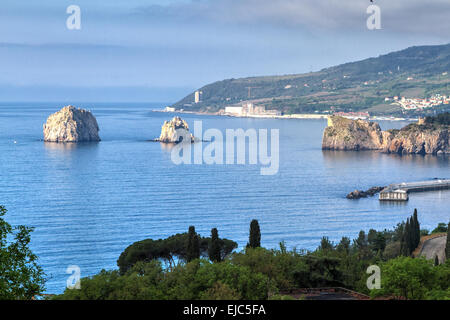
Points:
(89, 201)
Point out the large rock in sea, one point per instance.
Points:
(346, 134)
(71, 125)
(420, 139)
(415, 138)
(175, 131)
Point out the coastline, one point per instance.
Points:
(311, 116)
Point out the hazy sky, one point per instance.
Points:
(159, 50)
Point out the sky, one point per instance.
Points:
(161, 50)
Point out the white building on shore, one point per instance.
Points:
(197, 96)
(237, 111)
(248, 109)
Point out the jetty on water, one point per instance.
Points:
(400, 191)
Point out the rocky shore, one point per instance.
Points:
(71, 124)
(358, 194)
(416, 138)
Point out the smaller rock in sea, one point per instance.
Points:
(175, 131)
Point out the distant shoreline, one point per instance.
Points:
(287, 116)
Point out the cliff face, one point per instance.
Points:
(175, 131)
(346, 134)
(421, 139)
(71, 125)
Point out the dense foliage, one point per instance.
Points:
(21, 277)
(259, 273)
(419, 278)
(176, 248)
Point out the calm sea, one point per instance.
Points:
(88, 202)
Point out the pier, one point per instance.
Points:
(400, 191)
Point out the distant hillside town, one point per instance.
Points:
(416, 103)
(376, 85)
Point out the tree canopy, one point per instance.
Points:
(168, 250)
(21, 277)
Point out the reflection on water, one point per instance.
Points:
(69, 146)
(74, 154)
(345, 156)
(331, 157)
(167, 147)
(393, 204)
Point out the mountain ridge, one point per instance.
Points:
(417, 71)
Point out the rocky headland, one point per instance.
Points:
(358, 194)
(175, 131)
(428, 136)
(71, 124)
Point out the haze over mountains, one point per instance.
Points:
(416, 72)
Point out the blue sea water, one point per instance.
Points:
(89, 201)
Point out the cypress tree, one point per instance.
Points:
(255, 235)
(193, 247)
(196, 247)
(416, 229)
(447, 246)
(407, 239)
(214, 247)
(412, 237)
(412, 221)
(404, 250)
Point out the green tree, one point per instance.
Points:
(407, 242)
(361, 241)
(21, 277)
(392, 250)
(193, 246)
(214, 250)
(410, 235)
(168, 250)
(326, 244)
(416, 230)
(441, 227)
(319, 271)
(361, 246)
(371, 236)
(255, 235)
(379, 243)
(344, 245)
(407, 277)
